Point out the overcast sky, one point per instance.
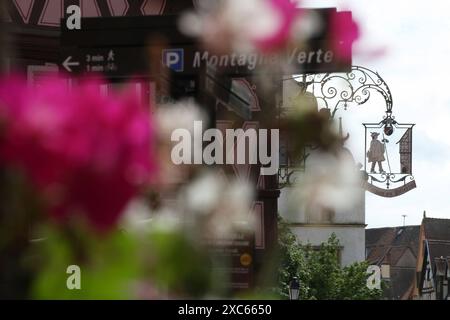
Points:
(416, 65)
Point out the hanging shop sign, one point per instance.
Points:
(388, 143)
(389, 157)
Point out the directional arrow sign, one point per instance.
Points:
(67, 63)
(112, 62)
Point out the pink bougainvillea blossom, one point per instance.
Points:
(85, 152)
(279, 36)
(344, 31)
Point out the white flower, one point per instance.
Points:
(137, 216)
(218, 204)
(331, 184)
(235, 25)
(176, 116)
(170, 117)
(234, 210)
(167, 220)
(204, 193)
(238, 198)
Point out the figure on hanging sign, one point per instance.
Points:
(376, 152)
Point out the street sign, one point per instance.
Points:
(111, 62)
(237, 250)
(189, 60)
(131, 39)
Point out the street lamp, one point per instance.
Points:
(294, 289)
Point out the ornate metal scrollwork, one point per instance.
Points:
(390, 178)
(335, 90)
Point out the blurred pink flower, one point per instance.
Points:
(280, 35)
(344, 32)
(84, 152)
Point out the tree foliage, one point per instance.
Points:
(319, 271)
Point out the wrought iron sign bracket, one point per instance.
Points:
(335, 91)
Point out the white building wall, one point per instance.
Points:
(352, 239)
(356, 215)
(348, 226)
(312, 225)
(316, 228)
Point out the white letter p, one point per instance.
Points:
(172, 58)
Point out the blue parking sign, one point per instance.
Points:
(173, 59)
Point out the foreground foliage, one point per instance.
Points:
(319, 271)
